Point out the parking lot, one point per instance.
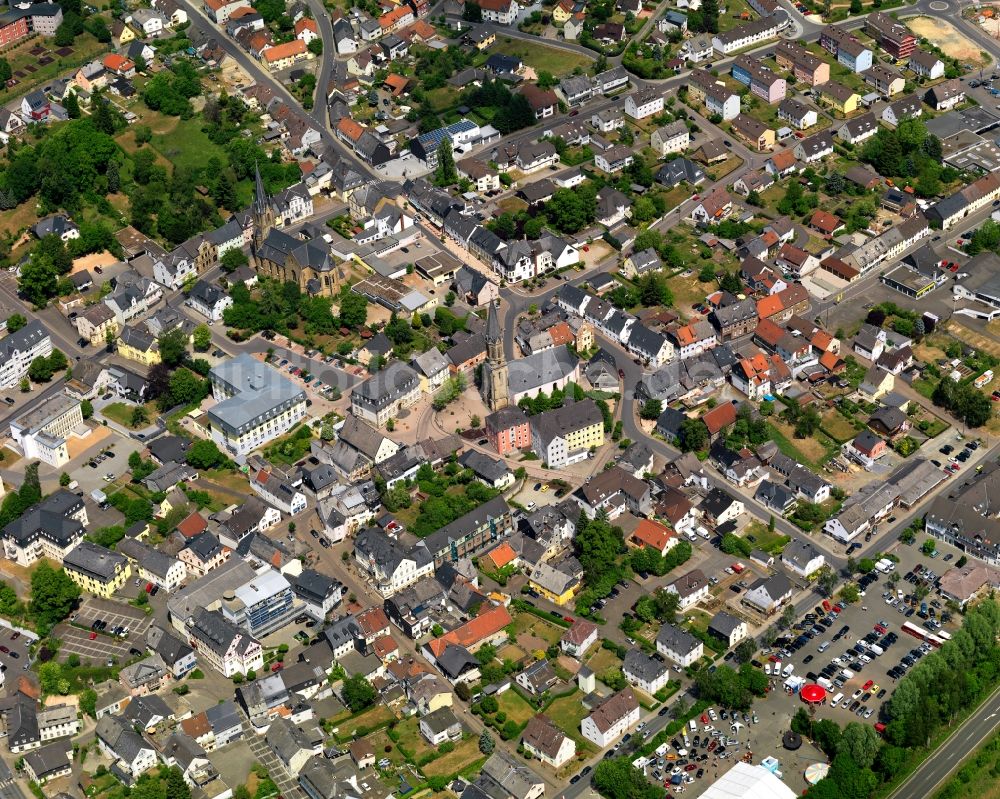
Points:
(96, 651)
(860, 673)
(14, 655)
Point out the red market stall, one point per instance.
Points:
(813, 694)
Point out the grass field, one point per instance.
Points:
(566, 713)
(380, 740)
(602, 659)
(184, 144)
(762, 538)
(514, 705)
(463, 755)
(838, 426)
(410, 737)
(121, 412)
(538, 56)
(528, 623)
(810, 451)
(380, 714)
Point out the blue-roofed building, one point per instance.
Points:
(462, 134)
(256, 404)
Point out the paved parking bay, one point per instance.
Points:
(77, 642)
(116, 614)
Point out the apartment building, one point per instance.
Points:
(42, 434)
(96, 569)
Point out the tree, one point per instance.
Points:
(205, 454)
(87, 409)
(37, 281)
(139, 416)
(72, 105)
(353, 310)
(6, 72)
(173, 347)
(358, 693)
(65, 479)
(861, 742)
(617, 779)
(53, 594)
(315, 46)
(15, 322)
(224, 192)
(826, 581)
(598, 546)
(745, 650)
(651, 409)
(486, 743)
(202, 338)
(232, 260)
(185, 387)
(693, 435)
(88, 702)
(445, 173)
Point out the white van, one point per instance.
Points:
(767, 668)
(836, 700)
(847, 674)
(823, 646)
(825, 683)
(693, 725)
(876, 649)
(787, 672)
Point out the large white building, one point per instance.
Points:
(223, 645)
(255, 404)
(49, 529)
(679, 645)
(41, 434)
(19, 349)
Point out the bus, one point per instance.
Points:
(924, 635)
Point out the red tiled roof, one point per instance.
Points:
(192, 525)
(286, 50)
(306, 24)
(117, 63)
(501, 555)
(653, 534)
(489, 622)
(824, 221)
(720, 417)
(350, 128)
(769, 306)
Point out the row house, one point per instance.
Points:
(845, 46)
(695, 338)
(761, 80)
(761, 375)
(885, 80)
(803, 64)
(797, 114)
(890, 245)
(738, 319)
(672, 138)
(501, 12)
(839, 97)
(857, 130)
(717, 97)
(966, 201)
(754, 133)
(946, 95)
(749, 33)
(815, 148)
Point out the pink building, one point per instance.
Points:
(508, 430)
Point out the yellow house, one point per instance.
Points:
(562, 12)
(555, 585)
(839, 97)
(175, 499)
(877, 384)
(585, 338)
(122, 33)
(138, 345)
(95, 323)
(96, 569)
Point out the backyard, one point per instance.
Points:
(121, 412)
(770, 541)
(566, 713)
(515, 706)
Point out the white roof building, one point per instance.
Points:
(744, 781)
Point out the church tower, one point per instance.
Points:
(262, 211)
(495, 385)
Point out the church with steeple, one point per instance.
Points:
(496, 392)
(303, 258)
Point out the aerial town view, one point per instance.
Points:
(470, 399)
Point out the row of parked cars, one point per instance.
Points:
(909, 661)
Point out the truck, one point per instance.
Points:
(825, 683)
(885, 565)
(99, 497)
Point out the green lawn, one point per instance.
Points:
(528, 623)
(463, 755)
(539, 56)
(516, 708)
(838, 426)
(732, 17)
(187, 146)
(566, 713)
(603, 659)
(121, 412)
(770, 541)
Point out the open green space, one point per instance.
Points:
(85, 49)
(566, 713)
(515, 706)
(602, 659)
(770, 541)
(541, 57)
(838, 426)
(464, 755)
(186, 145)
(121, 412)
(370, 719)
(527, 623)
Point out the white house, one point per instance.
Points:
(802, 557)
(644, 103)
(645, 672)
(679, 645)
(610, 720)
(173, 271)
(208, 300)
(544, 740)
(691, 588)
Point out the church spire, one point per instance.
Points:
(260, 194)
(493, 322)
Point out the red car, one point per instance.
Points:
(690, 767)
(774, 659)
(568, 619)
(93, 636)
(15, 635)
(826, 605)
(880, 629)
(712, 745)
(276, 667)
(867, 685)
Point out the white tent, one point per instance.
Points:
(744, 781)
